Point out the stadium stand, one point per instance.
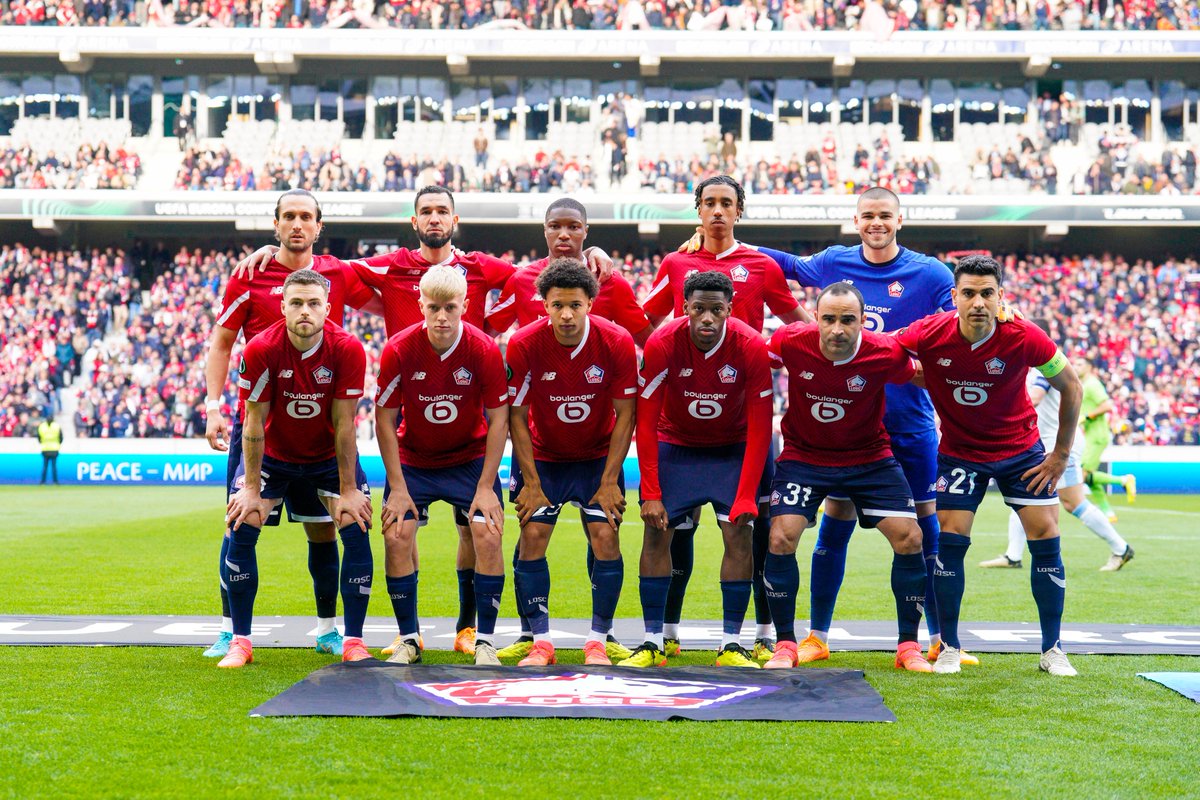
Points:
(82, 335)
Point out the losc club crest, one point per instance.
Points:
(461, 269)
(323, 375)
(739, 274)
(727, 374)
(941, 485)
(994, 367)
(593, 374)
(895, 288)
(462, 377)
(856, 384)
(584, 690)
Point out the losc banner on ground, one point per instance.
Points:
(378, 689)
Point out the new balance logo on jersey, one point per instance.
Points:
(943, 362)
(994, 367)
(285, 373)
(323, 375)
(856, 384)
(276, 290)
(462, 376)
(549, 376)
(895, 288)
(686, 372)
(537, 297)
(739, 274)
(727, 374)
(418, 376)
(593, 374)
(808, 376)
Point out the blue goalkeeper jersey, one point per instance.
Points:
(897, 293)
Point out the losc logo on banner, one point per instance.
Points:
(580, 689)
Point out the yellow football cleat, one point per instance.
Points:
(811, 649)
(734, 655)
(518, 649)
(1130, 484)
(645, 655)
(615, 650)
(763, 649)
(671, 647)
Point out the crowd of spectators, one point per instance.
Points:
(131, 352)
(89, 167)
(1120, 169)
(879, 18)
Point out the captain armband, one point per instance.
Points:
(1054, 365)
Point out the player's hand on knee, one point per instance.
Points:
(1044, 477)
(397, 506)
(529, 500)
(611, 500)
(247, 508)
(216, 431)
(487, 504)
(353, 508)
(695, 243)
(255, 262)
(654, 514)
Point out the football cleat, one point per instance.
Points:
(353, 649)
(909, 657)
(671, 647)
(391, 648)
(1054, 661)
(1130, 484)
(541, 654)
(645, 655)
(464, 642)
(241, 653)
(734, 655)
(949, 661)
(964, 658)
(518, 649)
(763, 649)
(330, 643)
(1114, 562)
(784, 656)
(595, 654)
(407, 652)
(485, 655)
(811, 649)
(1001, 562)
(220, 648)
(615, 650)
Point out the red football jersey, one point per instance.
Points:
(252, 306)
(397, 276)
(705, 393)
(300, 386)
(978, 389)
(846, 397)
(520, 302)
(570, 391)
(441, 397)
(757, 281)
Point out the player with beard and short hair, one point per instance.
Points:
(757, 282)
(975, 368)
(834, 444)
(250, 306)
(573, 382)
(301, 380)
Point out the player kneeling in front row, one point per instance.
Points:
(448, 379)
(704, 431)
(572, 381)
(974, 369)
(301, 380)
(835, 445)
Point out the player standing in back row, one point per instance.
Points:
(975, 368)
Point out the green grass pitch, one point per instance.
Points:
(164, 722)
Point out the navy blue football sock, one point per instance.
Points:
(828, 570)
(225, 612)
(488, 590)
(1049, 584)
(683, 553)
(735, 599)
(930, 531)
(535, 588)
(403, 592)
(949, 582)
(908, 585)
(607, 579)
(241, 576)
(782, 575)
(590, 557)
(759, 540)
(526, 631)
(323, 567)
(358, 570)
(653, 592)
(466, 599)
